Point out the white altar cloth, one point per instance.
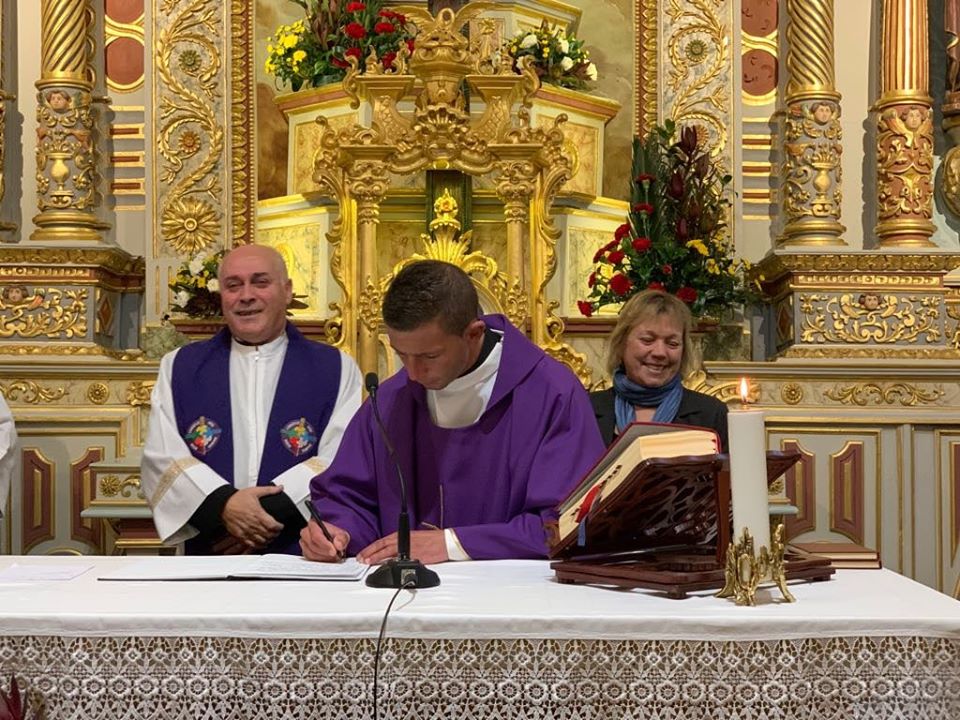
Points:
(501, 599)
(495, 640)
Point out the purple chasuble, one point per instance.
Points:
(306, 394)
(493, 482)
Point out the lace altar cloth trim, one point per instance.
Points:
(156, 678)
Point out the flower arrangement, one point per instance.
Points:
(558, 58)
(196, 289)
(315, 50)
(16, 706)
(676, 237)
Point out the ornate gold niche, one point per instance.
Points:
(355, 165)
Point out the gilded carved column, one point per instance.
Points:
(67, 175)
(368, 182)
(811, 190)
(905, 129)
(515, 187)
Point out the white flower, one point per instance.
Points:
(564, 46)
(529, 41)
(213, 285)
(592, 71)
(181, 298)
(566, 63)
(196, 265)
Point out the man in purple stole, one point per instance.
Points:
(491, 434)
(240, 423)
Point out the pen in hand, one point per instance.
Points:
(323, 528)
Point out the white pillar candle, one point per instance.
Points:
(748, 475)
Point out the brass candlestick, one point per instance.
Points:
(746, 569)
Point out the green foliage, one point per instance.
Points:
(676, 237)
(314, 51)
(558, 58)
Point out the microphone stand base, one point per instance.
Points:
(403, 573)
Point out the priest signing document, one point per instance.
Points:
(240, 423)
(490, 432)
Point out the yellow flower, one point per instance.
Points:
(732, 270)
(699, 247)
(605, 271)
(289, 41)
(712, 267)
(299, 55)
(269, 67)
(201, 282)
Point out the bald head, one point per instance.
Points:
(255, 291)
(262, 253)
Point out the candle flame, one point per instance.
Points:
(744, 390)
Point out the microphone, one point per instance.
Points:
(402, 571)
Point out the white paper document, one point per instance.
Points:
(237, 567)
(38, 573)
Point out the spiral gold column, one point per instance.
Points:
(67, 156)
(905, 129)
(811, 190)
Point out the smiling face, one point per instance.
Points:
(433, 357)
(254, 293)
(654, 350)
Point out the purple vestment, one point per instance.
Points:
(305, 398)
(493, 482)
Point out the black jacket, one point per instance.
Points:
(695, 409)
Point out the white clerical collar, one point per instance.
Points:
(464, 400)
(268, 349)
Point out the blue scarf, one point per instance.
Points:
(628, 395)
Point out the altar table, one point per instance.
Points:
(495, 640)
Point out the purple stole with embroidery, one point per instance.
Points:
(302, 405)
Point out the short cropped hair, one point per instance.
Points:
(644, 306)
(430, 290)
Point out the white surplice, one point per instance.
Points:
(8, 452)
(175, 483)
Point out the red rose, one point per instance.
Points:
(621, 232)
(687, 294)
(641, 244)
(355, 30)
(353, 52)
(384, 28)
(592, 280)
(616, 257)
(620, 284)
(656, 286)
(340, 63)
(388, 58)
(356, 7)
(410, 46)
(388, 14)
(666, 269)
(612, 245)
(645, 177)
(585, 308)
(599, 253)
(645, 208)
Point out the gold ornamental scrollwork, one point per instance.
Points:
(30, 392)
(51, 312)
(697, 84)
(874, 393)
(190, 137)
(66, 160)
(872, 318)
(138, 393)
(905, 174)
(112, 486)
(355, 164)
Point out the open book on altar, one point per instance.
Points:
(236, 567)
(639, 474)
